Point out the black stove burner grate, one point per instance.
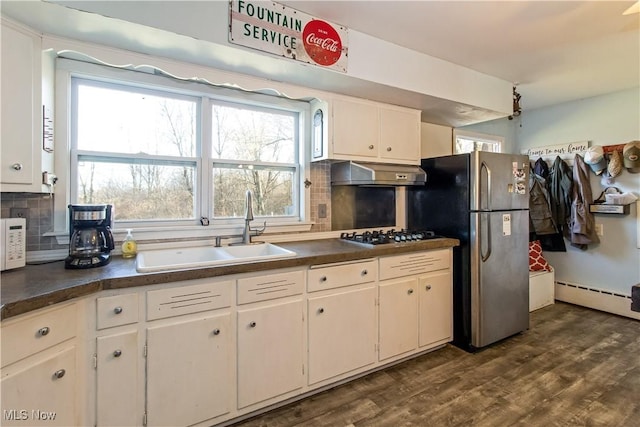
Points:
(379, 237)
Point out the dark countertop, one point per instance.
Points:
(36, 286)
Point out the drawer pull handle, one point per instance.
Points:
(388, 148)
(17, 166)
(410, 291)
(44, 331)
(117, 353)
(428, 287)
(321, 310)
(365, 272)
(371, 147)
(252, 324)
(216, 331)
(323, 279)
(117, 310)
(59, 374)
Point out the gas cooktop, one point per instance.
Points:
(379, 237)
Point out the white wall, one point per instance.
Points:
(614, 263)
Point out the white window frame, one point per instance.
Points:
(66, 68)
(476, 137)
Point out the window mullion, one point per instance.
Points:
(205, 171)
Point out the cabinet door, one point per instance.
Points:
(355, 128)
(19, 105)
(398, 317)
(188, 371)
(270, 352)
(399, 135)
(436, 307)
(43, 394)
(117, 380)
(342, 333)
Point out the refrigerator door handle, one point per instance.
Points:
(488, 195)
(486, 256)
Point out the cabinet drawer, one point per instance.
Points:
(180, 300)
(338, 275)
(415, 263)
(117, 310)
(28, 336)
(262, 288)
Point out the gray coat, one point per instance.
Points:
(582, 228)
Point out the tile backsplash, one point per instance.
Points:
(39, 218)
(320, 178)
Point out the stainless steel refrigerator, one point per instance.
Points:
(482, 199)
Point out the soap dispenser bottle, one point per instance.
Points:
(129, 246)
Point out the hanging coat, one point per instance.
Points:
(541, 221)
(560, 189)
(582, 228)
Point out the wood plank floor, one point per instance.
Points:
(574, 367)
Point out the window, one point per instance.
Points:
(169, 156)
(466, 142)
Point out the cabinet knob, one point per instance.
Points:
(252, 324)
(371, 147)
(323, 279)
(410, 291)
(388, 148)
(321, 310)
(17, 166)
(117, 310)
(217, 331)
(59, 374)
(117, 353)
(44, 331)
(428, 287)
(364, 272)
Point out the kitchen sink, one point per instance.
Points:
(207, 256)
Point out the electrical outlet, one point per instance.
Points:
(599, 229)
(322, 210)
(20, 213)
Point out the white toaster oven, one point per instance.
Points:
(14, 243)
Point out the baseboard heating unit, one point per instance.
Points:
(599, 299)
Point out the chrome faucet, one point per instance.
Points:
(248, 217)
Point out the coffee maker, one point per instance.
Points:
(91, 241)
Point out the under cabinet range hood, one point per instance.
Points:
(370, 174)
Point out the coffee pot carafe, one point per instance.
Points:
(91, 240)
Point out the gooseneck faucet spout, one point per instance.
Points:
(248, 217)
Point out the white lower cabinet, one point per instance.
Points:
(436, 303)
(117, 391)
(189, 370)
(342, 333)
(270, 351)
(39, 384)
(43, 393)
(398, 329)
(207, 351)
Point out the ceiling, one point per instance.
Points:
(553, 51)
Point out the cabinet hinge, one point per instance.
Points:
(144, 419)
(144, 351)
(303, 369)
(95, 361)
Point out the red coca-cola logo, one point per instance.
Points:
(322, 42)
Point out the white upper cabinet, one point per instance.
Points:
(24, 157)
(367, 131)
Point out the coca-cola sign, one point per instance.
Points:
(322, 42)
(274, 28)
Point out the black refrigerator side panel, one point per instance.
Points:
(442, 206)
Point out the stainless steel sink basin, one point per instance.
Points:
(207, 256)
